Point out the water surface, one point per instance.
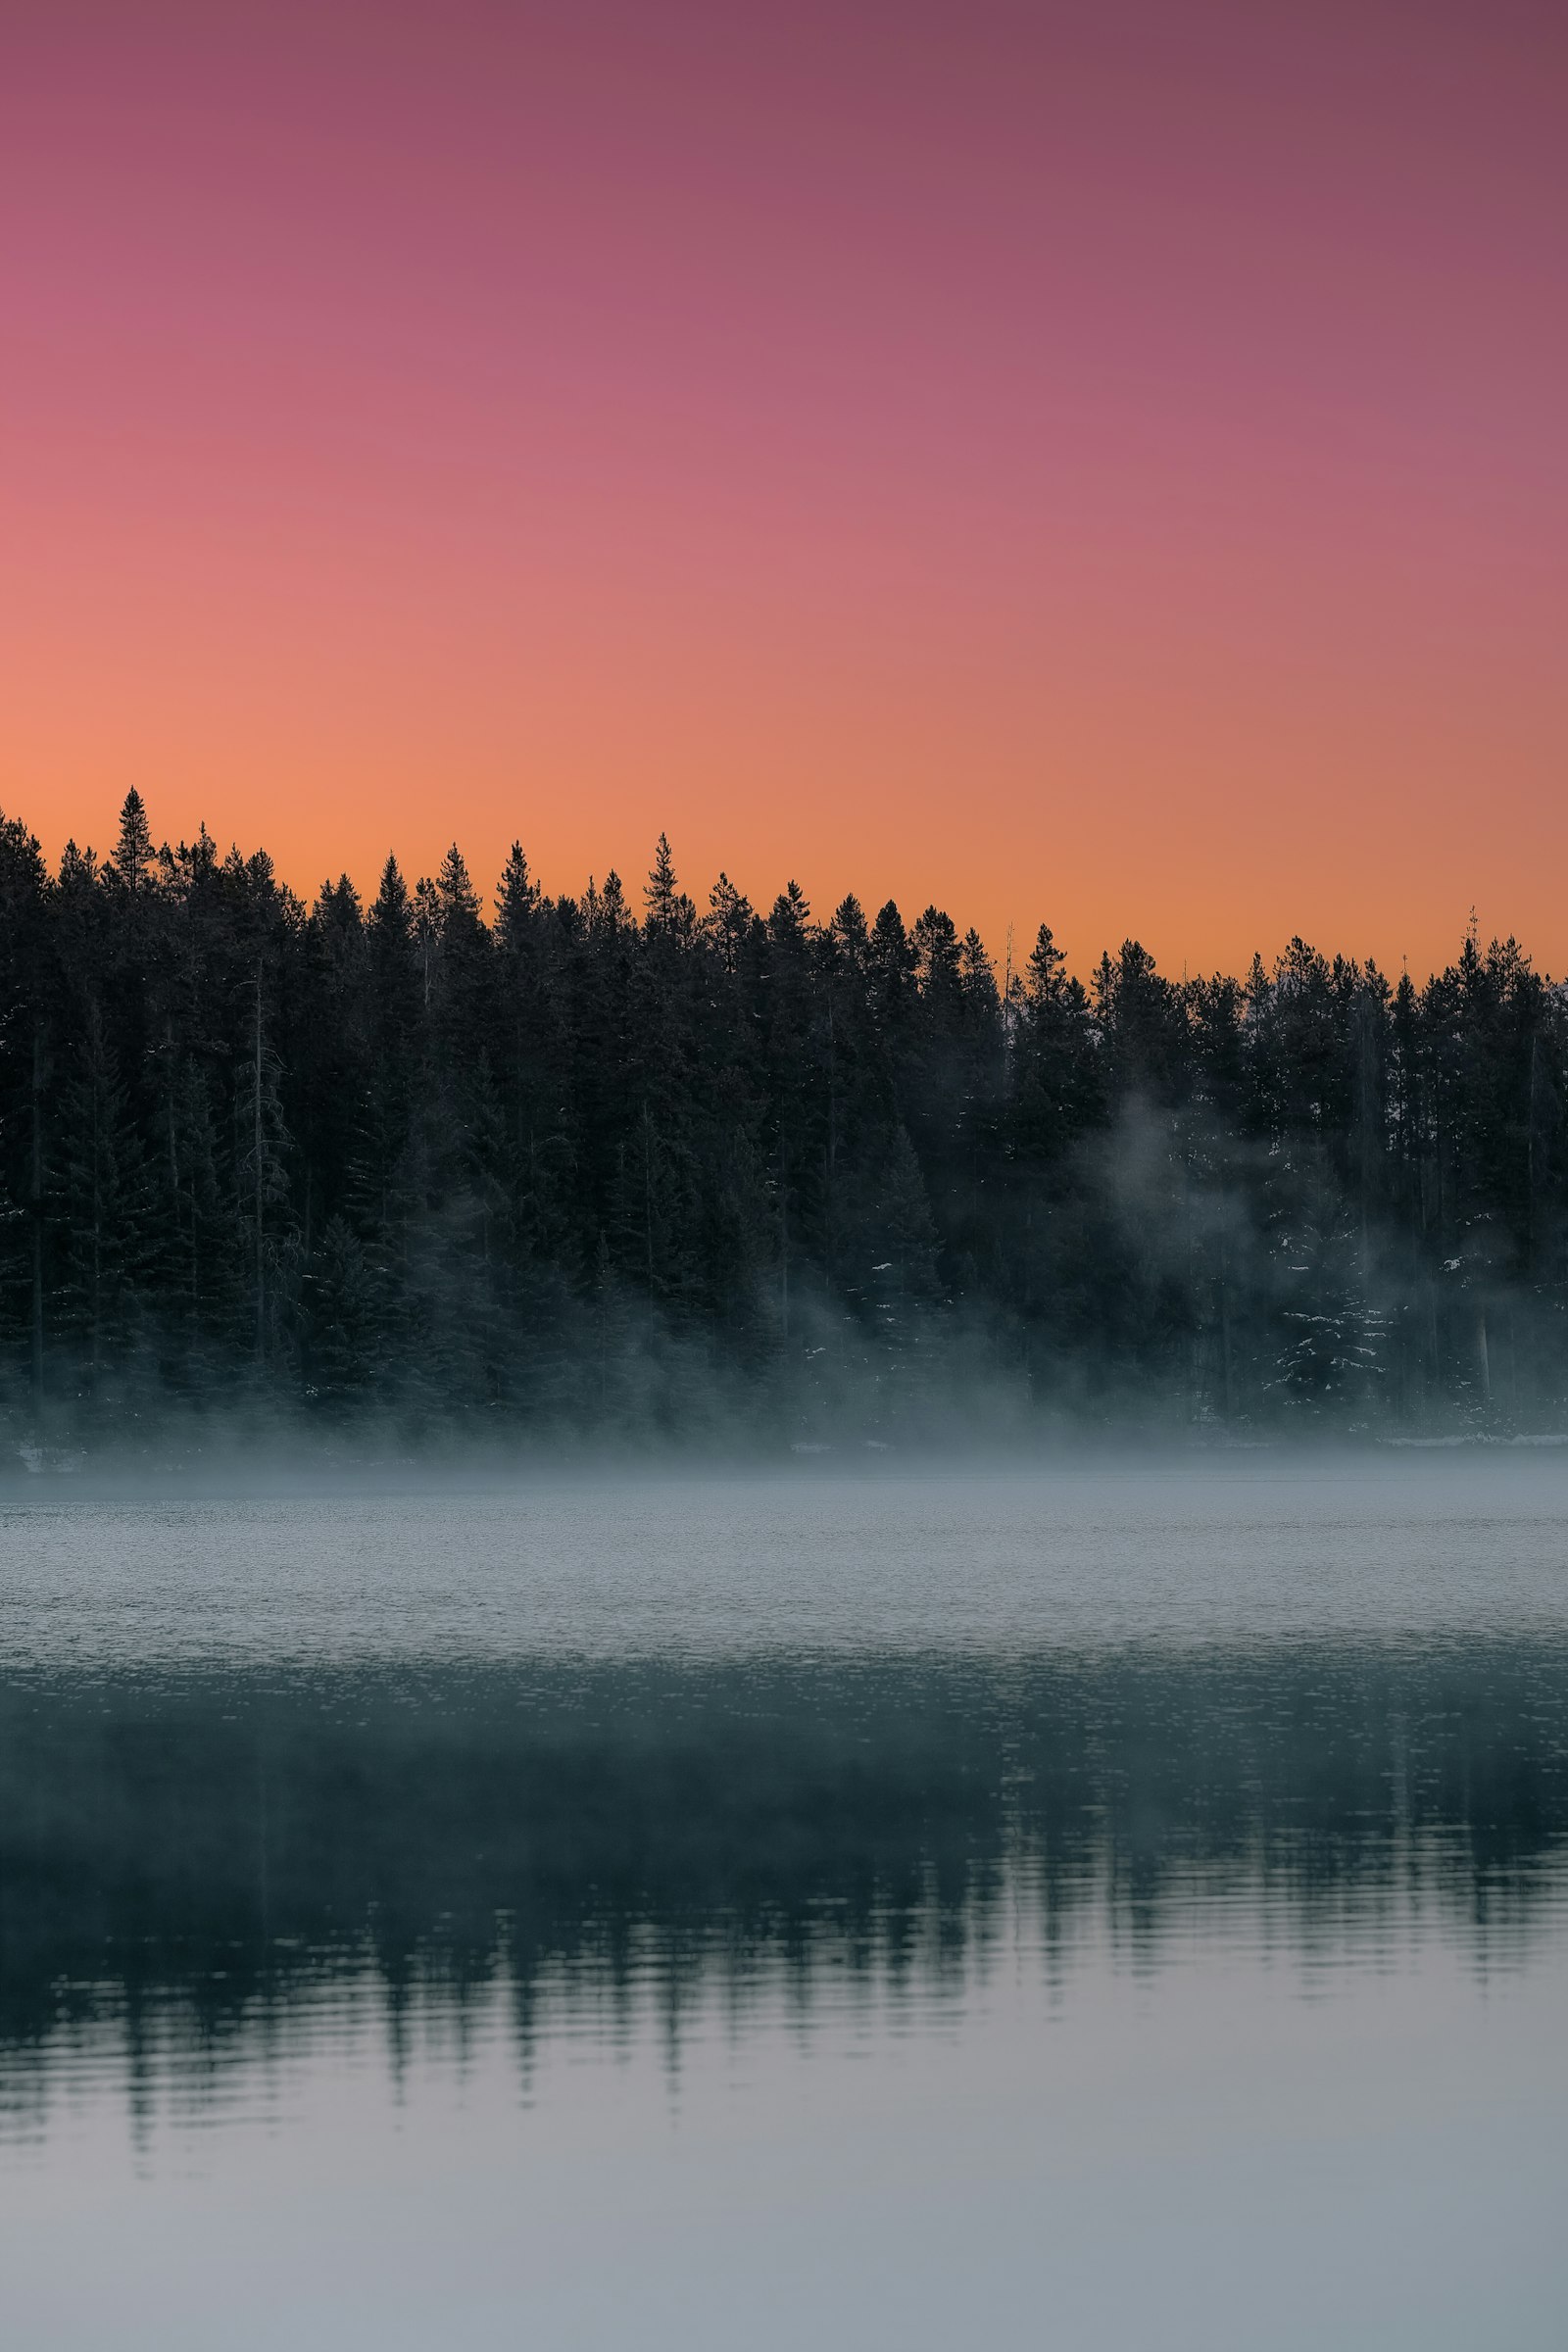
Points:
(1098, 1908)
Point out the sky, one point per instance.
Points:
(1099, 463)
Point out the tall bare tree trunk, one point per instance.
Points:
(37, 1364)
(260, 1212)
(1484, 1353)
(784, 1235)
(97, 1238)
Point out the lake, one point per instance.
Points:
(1100, 1907)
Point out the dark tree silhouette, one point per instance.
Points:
(555, 1164)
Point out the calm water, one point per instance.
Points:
(1099, 1909)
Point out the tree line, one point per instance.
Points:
(574, 1163)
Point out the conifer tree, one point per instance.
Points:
(561, 1165)
(131, 863)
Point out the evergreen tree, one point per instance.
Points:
(102, 1201)
(132, 861)
(593, 1165)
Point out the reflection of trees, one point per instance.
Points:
(224, 1852)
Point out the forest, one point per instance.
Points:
(627, 1168)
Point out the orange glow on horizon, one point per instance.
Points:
(1038, 469)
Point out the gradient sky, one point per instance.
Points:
(1104, 462)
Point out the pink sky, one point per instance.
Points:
(1103, 464)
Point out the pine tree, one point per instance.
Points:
(132, 861)
(103, 1201)
(904, 1278)
(568, 1162)
(261, 1198)
(343, 1317)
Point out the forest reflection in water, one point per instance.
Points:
(207, 1871)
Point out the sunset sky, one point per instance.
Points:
(1102, 463)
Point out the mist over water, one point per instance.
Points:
(1131, 1549)
(887, 1905)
